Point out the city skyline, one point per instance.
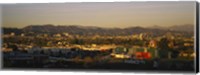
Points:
(107, 15)
(154, 36)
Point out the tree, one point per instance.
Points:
(163, 48)
(163, 44)
(14, 47)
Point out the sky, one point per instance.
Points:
(108, 15)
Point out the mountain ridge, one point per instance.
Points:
(90, 30)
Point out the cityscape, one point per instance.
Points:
(113, 47)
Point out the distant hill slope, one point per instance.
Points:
(90, 30)
(187, 28)
(184, 28)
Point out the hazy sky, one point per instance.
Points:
(122, 15)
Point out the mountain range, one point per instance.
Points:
(90, 30)
(186, 28)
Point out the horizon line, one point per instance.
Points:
(98, 26)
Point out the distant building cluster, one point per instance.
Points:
(46, 50)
